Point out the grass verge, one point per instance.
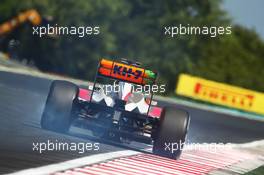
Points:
(258, 171)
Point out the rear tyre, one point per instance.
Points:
(172, 130)
(57, 114)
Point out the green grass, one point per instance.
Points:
(258, 171)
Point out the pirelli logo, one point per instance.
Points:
(224, 96)
(221, 94)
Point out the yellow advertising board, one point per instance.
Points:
(220, 93)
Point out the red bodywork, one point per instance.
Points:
(154, 111)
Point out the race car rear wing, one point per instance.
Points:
(126, 72)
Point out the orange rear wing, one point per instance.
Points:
(126, 72)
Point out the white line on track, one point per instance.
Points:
(204, 161)
(76, 163)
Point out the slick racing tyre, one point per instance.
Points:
(57, 114)
(171, 133)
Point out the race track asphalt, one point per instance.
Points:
(22, 99)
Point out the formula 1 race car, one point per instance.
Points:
(117, 107)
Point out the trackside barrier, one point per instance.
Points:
(220, 93)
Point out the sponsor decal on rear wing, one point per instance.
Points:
(125, 72)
